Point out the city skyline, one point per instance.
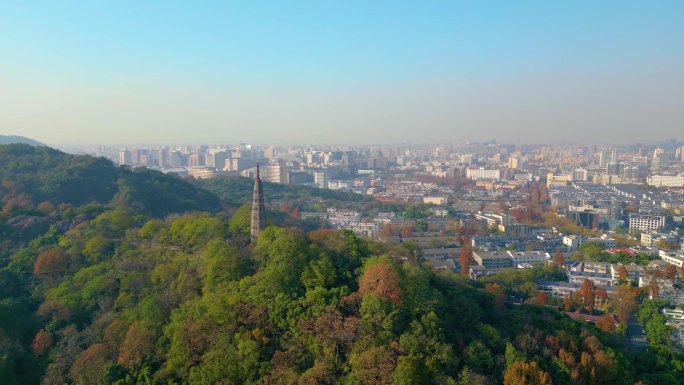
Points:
(78, 73)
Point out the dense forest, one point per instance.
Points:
(118, 276)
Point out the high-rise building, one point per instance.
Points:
(196, 160)
(658, 152)
(580, 175)
(258, 208)
(630, 174)
(162, 157)
(241, 164)
(135, 157)
(312, 158)
(615, 168)
(515, 162)
(176, 158)
(144, 159)
(124, 157)
(276, 173)
(679, 154)
(271, 153)
(216, 159)
(321, 178)
(606, 157)
(655, 164)
(661, 159)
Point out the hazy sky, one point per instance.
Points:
(90, 72)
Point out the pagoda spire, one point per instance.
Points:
(258, 208)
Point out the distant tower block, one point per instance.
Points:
(258, 208)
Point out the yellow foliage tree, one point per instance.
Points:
(523, 373)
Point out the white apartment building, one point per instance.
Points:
(343, 215)
(666, 180)
(672, 257)
(529, 257)
(321, 178)
(634, 271)
(334, 184)
(575, 241)
(646, 222)
(351, 220)
(481, 173)
(598, 279)
(496, 219)
(675, 319)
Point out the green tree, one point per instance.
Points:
(407, 371)
(98, 248)
(224, 263)
(241, 221)
(478, 357)
(320, 272)
(512, 355)
(425, 343)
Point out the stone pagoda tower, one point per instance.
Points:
(258, 208)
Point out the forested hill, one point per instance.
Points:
(9, 139)
(35, 176)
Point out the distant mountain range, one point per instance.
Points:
(9, 139)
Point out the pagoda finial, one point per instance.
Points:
(257, 168)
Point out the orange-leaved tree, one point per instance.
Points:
(523, 373)
(50, 261)
(558, 258)
(588, 293)
(381, 279)
(41, 342)
(465, 258)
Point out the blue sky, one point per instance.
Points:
(354, 72)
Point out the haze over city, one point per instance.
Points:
(349, 192)
(354, 72)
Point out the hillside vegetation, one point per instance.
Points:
(126, 294)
